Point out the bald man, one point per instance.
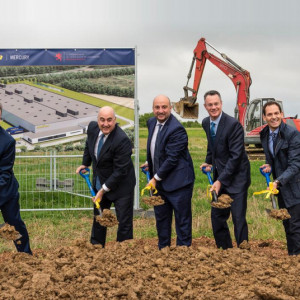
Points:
(171, 168)
(109, 150)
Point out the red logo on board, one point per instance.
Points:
(58, 56)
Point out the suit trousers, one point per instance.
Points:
(292, 227)
(124, 211)
(11, 215)
(219, 219)
(178, 201)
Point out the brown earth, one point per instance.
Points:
(135, 269)
(280, 214)
(9, 232)
(153, 200)
(108, 218)
(223, 201)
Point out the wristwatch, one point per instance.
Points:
(277, 182)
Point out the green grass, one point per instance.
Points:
(51, 229)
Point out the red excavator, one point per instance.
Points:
(248, 114)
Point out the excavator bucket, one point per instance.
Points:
(185, 109)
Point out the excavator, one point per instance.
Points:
(248, 114)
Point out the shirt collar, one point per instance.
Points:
(275, 131)
(217, 120)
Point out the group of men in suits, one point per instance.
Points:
(109, 150)
(172, 171)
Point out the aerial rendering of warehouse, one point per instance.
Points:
(43, 114)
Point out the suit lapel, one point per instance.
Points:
(94, 140)
(151, 131)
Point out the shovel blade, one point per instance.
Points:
(18, 235)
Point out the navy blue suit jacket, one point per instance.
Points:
(8, 183)
(286, 161)
(175, 163)
(228, 156)
(114, 166)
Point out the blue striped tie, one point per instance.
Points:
(212, 132)
(100, 144)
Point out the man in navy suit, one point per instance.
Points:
(109, 150)
(231, 170)
(9, 195)
(172, 173)
(281, 144)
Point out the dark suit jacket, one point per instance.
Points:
(175, 164)
(8, 183)
(286, 161)
(114, 166)
(228, 156)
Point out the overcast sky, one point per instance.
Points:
(263, 37)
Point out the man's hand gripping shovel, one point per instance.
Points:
(279, 214)
(152, 200)
(218, 202)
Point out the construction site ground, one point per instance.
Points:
(136, 269)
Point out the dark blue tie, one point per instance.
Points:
(156, 149)
(273, 135)
(100, 144)
(212, 132)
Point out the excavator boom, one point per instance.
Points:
(187, 106)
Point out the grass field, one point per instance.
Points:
(53, 229)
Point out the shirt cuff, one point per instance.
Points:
(157, 178)
(106, 189)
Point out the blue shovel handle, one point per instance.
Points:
(213, 193)
(147, 173)
(266, 175)
(86, 176)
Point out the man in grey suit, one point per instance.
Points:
(231, 170)
(281, 144)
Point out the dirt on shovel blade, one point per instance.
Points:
(280, 214)
(9, 232)
(153, 200)
(108, 219)
(223, 202)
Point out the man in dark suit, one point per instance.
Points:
(9, 195)
(109, 150)
(281, 144)
(231, 170)
(172, 173)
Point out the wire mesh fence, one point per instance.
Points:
(49, 182)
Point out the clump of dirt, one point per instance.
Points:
(280, 214)
(153, 200)
(9, 232)
(244, 245)
(108, 219)
(223, 202)
(136, 269)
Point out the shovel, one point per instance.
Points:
(147, 173)
(86, 176)
(273, 200)
(213, 193)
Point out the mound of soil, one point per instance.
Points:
(136, 269)
(108, 219)
(9, 232)
(223, 201)
(280, 214)
(153, 200)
